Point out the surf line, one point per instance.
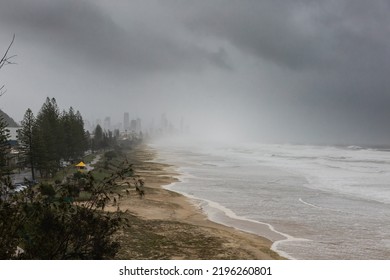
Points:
(309, 204)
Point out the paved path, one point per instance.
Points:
(89, 166)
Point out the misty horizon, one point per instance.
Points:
(307, 72)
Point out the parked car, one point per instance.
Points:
(19, 187)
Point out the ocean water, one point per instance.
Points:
(313, 202)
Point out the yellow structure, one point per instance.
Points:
(80, 166)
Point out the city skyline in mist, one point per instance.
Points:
(305, 71)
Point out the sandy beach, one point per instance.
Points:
(166, 225)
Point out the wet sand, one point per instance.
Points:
(166, 225)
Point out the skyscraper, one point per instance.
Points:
(107, 123)
(138, 127)
(126, 122)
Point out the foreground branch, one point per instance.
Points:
(6, 60)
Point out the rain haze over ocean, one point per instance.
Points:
(270, 71)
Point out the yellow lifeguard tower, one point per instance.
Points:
(80, 166)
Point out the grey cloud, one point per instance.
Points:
(295, 34)
(267, 29)
(305, 69)
(88, 34)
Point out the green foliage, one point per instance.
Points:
(4, 146)
(45, 221)
(110, 155)
(104, 139)
(26, 145)
(78, 175)
(52, 137)
(48, 138)
(48, 223)
(97, 141)
(47, 190)
(74, 135)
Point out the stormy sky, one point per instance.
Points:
(304, 71)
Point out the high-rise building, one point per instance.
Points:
(107, 123)
(126, 122)
(138, 127)
(133, 126)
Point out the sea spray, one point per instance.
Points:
(325, 202)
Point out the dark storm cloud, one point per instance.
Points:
(84, 32)
(338, 50)
(307, 70)
(295, 34)
(272, 30)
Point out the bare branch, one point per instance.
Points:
(2, 90)
(7, 59)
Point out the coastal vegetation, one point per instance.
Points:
(4, 147)
(63, 216)
(48, 220)
(51, 138)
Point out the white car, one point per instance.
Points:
(19, 187)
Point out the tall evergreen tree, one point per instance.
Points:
(55, 137)
(66, 123)
(98, 138)
(82, 138)
(26, 140)
(49, 138)
(4, 146)
(76, 142)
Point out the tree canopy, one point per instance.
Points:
(4, 146)
(51, 137)
(49, 222)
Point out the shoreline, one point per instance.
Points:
(166, 207)
(216, 213)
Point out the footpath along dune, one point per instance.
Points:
(166, 225)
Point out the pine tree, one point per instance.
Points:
(66, 125)
(49, 139)
(26, 140)
(98, 138)
(82, 138)
(76, 142)
(4, 146)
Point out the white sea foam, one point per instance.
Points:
(320, 202)
(312, 205)
(220, 214)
